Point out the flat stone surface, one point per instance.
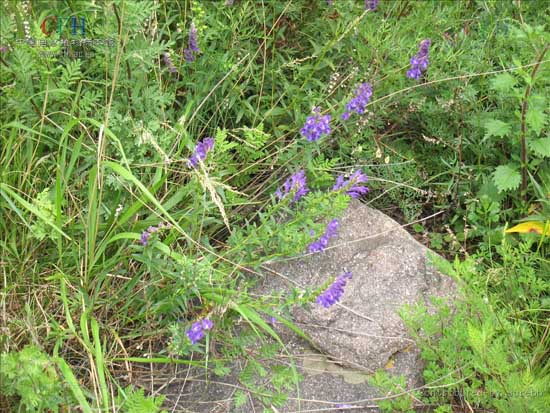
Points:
(350, 340)
(325, 386)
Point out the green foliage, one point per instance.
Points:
(136, 402)
(95, 143)
(269, 238)
(31, 376)
(541, 147)
(268, 381)
(496, 128)
(40, 229)
(506, 177)
(484, 348)
(391, 386)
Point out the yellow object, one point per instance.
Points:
(537, 227)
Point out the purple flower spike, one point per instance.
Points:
(360, 100)
(297, 184)
(193, 40)
(316, 126)
(192, 44)
(196, 332)
(352, 185)
(333, 293)
(420, 61)
(169, 64)
(332, 228)
(330, 232)
(371, 4)
(188, 55)
(201, 150)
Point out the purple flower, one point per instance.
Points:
(201, 150)
(188, 55)
(168, 62)
(359, 102)
(196, 332)
(333, 293)
(371, 4)
(193, 41)
(144, 238)
(145, 235)
(165, 225)
(352, 185)
(3, 48)
(229, 2)
(316, 126)
(192, 44)
(330, 232)
(330, 3)
(297, 184)
(420, 61)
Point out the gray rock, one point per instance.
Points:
(350, 340)
(389, 269)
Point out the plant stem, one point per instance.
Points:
(524, 106)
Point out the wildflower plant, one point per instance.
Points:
(420, 61)
(359, 101)
(330, 232)
(353, 186)
(295, 185)
(334, 292)
(146, 234)
(316, 126)
(201, 150)
(168, 63)
(197, 330)
(192, 44)
(371, 4)
(273, 238)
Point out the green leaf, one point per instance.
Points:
(7, 192)
(137, 402)
(100, 364)
(73, 384)
(239, 398)
(503, 82)
(506, 177)
(497, 128)
(535, 120)
(540, 146)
